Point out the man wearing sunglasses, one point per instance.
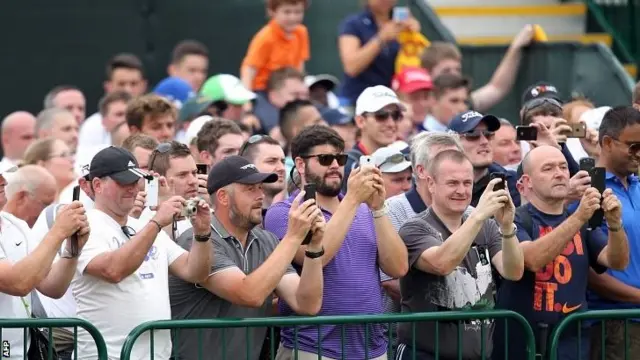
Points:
(476, 133)
(620, 156)
(378, 110)
(357, 220)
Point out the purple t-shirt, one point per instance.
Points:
(351, 287)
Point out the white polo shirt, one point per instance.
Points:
(14, 246)
(181, 226)
(115, 309)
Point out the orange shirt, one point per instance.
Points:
(271, 49)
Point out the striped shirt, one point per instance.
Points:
(350, 280)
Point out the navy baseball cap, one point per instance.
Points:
(236, 169)
(335, 117)
(541, 90)
(467, 121)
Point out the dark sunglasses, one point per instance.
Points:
(536, 103)
(327, 159)
(160, 149)
(383, 115)
(475, 135)
(254, 140)
(633, 147)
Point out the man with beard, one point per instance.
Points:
(476, 132)
(558, 251)
(620, 150)
(360, 241)
(267, 155)
(249, 265)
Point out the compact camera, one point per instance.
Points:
(191, 208)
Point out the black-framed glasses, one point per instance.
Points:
(161, 148)
(254, 140)
(128, 231)
(383, 115)
(632, 147)
(476, 134)
(327, 159)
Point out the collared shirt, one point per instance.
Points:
(352, 287)
(380, 72)
(433, 125)
(140, 297)
(630, 199)
(15, 245)
(190, 301)
(272, 49)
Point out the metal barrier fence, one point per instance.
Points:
(596, 316)
(457, 316)
(50, 324)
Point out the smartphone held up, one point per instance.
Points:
(309, 193)
(74, 238)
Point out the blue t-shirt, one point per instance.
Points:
(556, 290)
(380, 72)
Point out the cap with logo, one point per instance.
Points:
(227, 88)
(116, 163)
(329, 82)
(175, 90)
(411, 80)
(375, 98)
(390, 160)
(194, 107)
(236, 169)
(541, 90)
(467, 121)
(335, 117)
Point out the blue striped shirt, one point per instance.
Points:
(351, 287)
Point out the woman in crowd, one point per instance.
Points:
(55, 156)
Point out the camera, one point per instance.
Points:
(190, 208)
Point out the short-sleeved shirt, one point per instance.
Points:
(630, 199)
(272, 48)
(191, 301)
(15, 245)
(380, 72)
(556, 290)
(351, 287)
(140, 297)
(469, 287)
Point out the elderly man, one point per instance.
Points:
(31, 189)
(18, 132)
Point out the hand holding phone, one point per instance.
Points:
(500, 185)
(152, 189)
(309, 193)
(587, 164)
(367, 161)
(578, 130)
(74, 238)
(400, 13)
(598, 177)
(526, 133)
(202, 169)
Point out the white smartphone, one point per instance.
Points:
(366, 161)
(400, 13)
(152, 187)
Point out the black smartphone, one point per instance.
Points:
(587, 164)
(74, 237)
(309, 193)
(202, 169)
(500, 185)
(526, 133)
(597, 175)
(578, 130)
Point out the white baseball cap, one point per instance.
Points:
(390, 160)
(195, 126)
(375, 98)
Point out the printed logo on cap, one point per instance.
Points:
(249, 166)
(131, 164)
(542, 89)
(468, 115)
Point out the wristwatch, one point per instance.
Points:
(509, 236)
(314, 255)
(202, 238)
(379, 213)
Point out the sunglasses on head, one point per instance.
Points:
(476, 134)
(536, 103)
(253, 140)
(327, 159)
(160, 149)
(383, 115)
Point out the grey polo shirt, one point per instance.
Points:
(469, 287)
(190, 301)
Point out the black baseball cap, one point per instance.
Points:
(116, 163)
(236, 169)
(541, 90)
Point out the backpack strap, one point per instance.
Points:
(50, 213)
(525, 220)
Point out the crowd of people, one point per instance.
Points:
(196, 201)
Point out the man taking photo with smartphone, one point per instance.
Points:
(559, 250)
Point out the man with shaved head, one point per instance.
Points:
(29, 191)
(558, 251)
(18, 130)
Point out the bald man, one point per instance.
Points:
(29, 190)
(18, 132)
(558, 252)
